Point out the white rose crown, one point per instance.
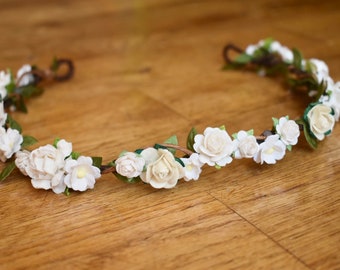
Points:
(56, 166)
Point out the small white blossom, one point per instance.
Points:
(288, 130)
(3, 115)
(250, 50)
(285, 53)
(5, 79)
(162, 170)
(10, 143)
(321, 120)
(245, 145)
(81, 174)
(46, 164)
(27, 78)
(271, 150)
(192, 167)
(319, 69)
(130, 165)
(334, 100)
(214, 146)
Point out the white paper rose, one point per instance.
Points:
(10, 143)
(45, 163)
(130, 165)
(27, 78)
(288, 130)
(214, 146)
(271, 150)
(321, 120)
(81, 174)
(192, 167)
(5, 79)
(245, 145)
(162, 170)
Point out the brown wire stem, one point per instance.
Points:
(52, 73)
(230, 47)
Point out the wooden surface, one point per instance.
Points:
(146, 70)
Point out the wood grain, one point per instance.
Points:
(146, 70)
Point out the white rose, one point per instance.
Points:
(321, 120)
(47, 161)
(22, 161)
(246, 145)
(271, 149)
(27, 78)
(214, 146)
(10, 143)
(162, 170)
(192, 167)
(288, 130)
(81, 175)
(130, 165)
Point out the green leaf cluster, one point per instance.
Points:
(7, 171)
(191, 139)
(13, 124)
(312, 141)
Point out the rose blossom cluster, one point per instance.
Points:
(52, 167)
(321, 115)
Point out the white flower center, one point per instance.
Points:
(270, 151)
(81, 172)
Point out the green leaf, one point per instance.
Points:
(289, 147)
(172, 140)
(28, 141)
(127, 180)
(243, 59)
(54, 65)
(56, 140)
(13, 124)
(159, 146)
(20, 105)
(222, 127)
(250, 132)
(309, 138)
(10, 87)
(97, 161)
(30, 90)
(180, 161)
(139, 151)
(191, 139)
(275, 121)
(67, 191)
(76, 155)
(234, 135)
(7, 171)
(267, 43)
(218, 167)
(297, 60)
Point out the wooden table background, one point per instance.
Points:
(146, 70)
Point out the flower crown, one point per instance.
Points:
(56, 166)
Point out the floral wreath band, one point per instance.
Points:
(56, 166)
